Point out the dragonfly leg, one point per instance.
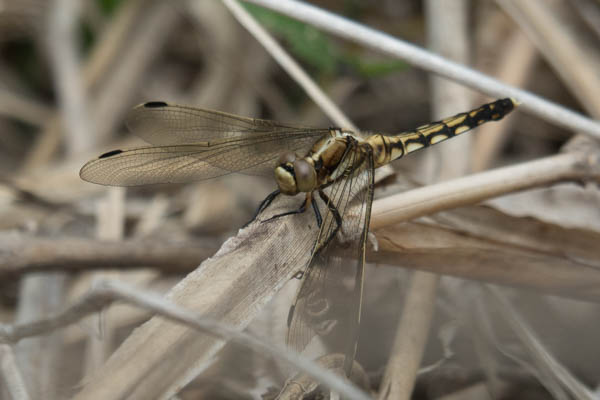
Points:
(336, 216)
(263, 206)
(317, 213)
(300, 210)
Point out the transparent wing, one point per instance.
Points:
(194, 144)
(184, 163)
(163, 124)
(329, 300)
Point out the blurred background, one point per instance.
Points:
(71, 70)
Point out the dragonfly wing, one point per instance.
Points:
(329, 300)
(163, 124)
(254, 154)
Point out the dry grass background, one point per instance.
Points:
(464, 300)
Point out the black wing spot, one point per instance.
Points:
(111, 153)
(155, 104)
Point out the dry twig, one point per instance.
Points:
(21, 254)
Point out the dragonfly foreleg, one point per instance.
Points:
(263, 206)
(305, 203)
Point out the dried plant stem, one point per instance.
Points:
(24, 254)
(11, 375)
(289, 65)
(411, 338)
(474, 188)
(373, 39)
(107, 292)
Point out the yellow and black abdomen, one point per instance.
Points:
(396, 146)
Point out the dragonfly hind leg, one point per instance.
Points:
(308, 200)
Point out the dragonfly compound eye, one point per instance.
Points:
(286, 158)
(306, 176)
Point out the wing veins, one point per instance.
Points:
(172, 123)
(316, 274)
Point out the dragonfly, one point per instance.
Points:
(331, 166)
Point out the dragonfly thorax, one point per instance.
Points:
(295, 175)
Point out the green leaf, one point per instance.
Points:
(109, 6)
(305, 41)
(375, 68)
(317, 50)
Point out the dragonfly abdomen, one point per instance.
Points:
(389, 148)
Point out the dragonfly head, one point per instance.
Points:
(295, 175)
